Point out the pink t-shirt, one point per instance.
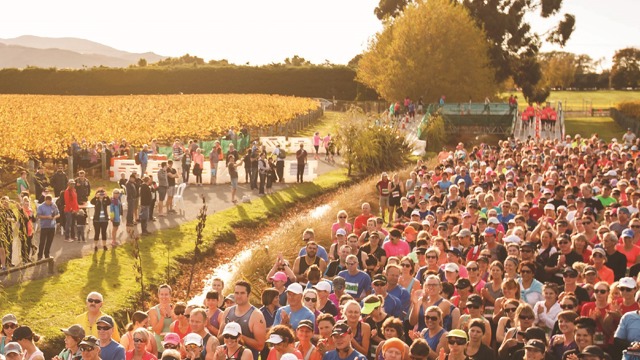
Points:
(400, 249)
(326, 140)
(316, 140)
(347, 227)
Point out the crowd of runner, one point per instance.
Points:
(524, 250)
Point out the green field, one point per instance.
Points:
(605, 127)
(585, 100)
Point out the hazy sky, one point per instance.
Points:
(263, 31)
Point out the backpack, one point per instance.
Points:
(136, 157)
(282, 154)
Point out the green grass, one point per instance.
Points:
(605, 127)
(48, 304)
(582, 100)
(326, 124)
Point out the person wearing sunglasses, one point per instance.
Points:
(342, 338)
(565, 341)
(310, 301)
(193, 347)
(506, 321)
(110, 349)
(139, 319)
(434, 333)
(231, 349)
(570, 276)
(515, 337)
(304, 333)
(599, 310)
(475, 307)
(561, 259)
(140, 340)
(88, 319)
(457, 343)
(9, 325)
(172, 341)
(91, 349)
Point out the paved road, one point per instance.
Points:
(218, 198)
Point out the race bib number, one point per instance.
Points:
(351, 288)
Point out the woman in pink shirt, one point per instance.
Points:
(198, 165)
(316, 144)
(341, 223)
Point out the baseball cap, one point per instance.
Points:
(535, 344)
(295, 288)
(592, 350)
(600, 251)
(342, 232)
(624, 210)
(474, 299)
(451, 267)
(9, 319)
(288, 356)
(512, 239)
(590, 269)
(323, 285)
(627, 282)
(89, 340)
(233, 329)
(415, 212)
(275, 339)
(462, 283)
(549, 207)
(627, 233)
(171, 338)
(570, 271)
(340, 328)
(464, 233)
(231, 297)
(534, 332)
(454, 251)
(106, 319)
(493, 220)
(75, 331)
(379, 278)
(489, 231)
(279, 276)
(410, 230)
(305, 323)
(193, 339)
(458, 333)
(12, 348)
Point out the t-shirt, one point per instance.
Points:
(113, 351)
(403, 295)
(629, 328)
(294, 317)
(333, 355)
(356, 284)
(617, 263)
(484, 353)
(625, 309)
(631, 255)
(322, 252)
(400, 249)
(571, 258)
(171, 180)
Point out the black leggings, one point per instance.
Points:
(100, 228)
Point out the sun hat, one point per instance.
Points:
(233, 329)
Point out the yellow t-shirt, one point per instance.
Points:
(91, 329)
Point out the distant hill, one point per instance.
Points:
(72, 53)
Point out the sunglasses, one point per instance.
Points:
(170, 346)
(9, 326)
(563, 242)
(192, 347)
(571, 275)
(597, 255)
(178, 313)
(406, 265)
(626, 289)
(586, 223)
(524, 317)
(456, 341)
(600, 291)
(526, 250)
(138, 340)
(525, 271)
(472, 307)
(431, 318)
(86, 348)
(94, 301)
(472, 269)
(567, 307)
(310, 299)
(635, 226)
(431, 257)
(230, 337)
(105, 328)
(342, 217)
(508, 310)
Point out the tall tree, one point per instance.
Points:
(432, 48)
(513, 44)
(625, 71)
(559, 68)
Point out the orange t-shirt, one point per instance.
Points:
(631, 255)
(606, 274)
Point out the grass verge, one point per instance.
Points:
(48, 304)
(605, 127)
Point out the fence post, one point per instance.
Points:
(30, 175)
(103, 160)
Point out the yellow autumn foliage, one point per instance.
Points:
(44, 124)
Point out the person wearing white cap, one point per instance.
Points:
(250, 318)
(598, 258)
(193, 346)
(232, 348)
(324, 305)
(627, 302)
(293, 313)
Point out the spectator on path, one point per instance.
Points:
(47, 214)
(301, 159)
(70, 209)
(172, 175)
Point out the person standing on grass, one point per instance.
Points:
(301, 157)
(132, 199)
(47, 213)
(172, 175)
(163, 184)
(70, 209)
(145, 204)
(100, 217)
(22, 183)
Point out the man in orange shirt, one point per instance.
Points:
(360, 223)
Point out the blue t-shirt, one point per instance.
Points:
(47, 210)
(629, 328)
(294, 317)
(403, 295)
(333, 355)
(113, 351)
(393, 306)
(322, 253)
(357, 284)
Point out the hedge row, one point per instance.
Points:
(630, 108)
(324, 82)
